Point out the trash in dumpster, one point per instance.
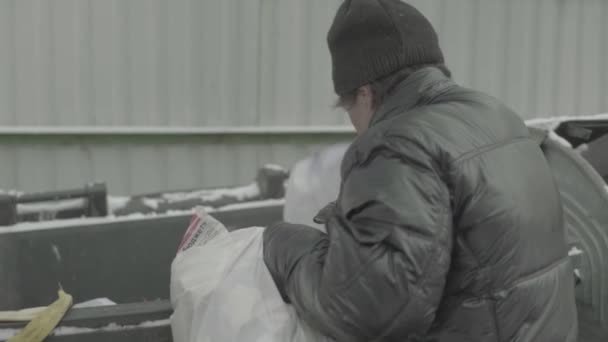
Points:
(585, 134)
(43, 323)
(221, 289)
(579, 132)
(313, 182)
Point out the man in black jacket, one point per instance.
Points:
(448, 225)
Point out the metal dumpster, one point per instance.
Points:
(585, 202)
(125, 257)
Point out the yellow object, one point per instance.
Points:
(45, 321)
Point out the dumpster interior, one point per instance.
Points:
(593, 135)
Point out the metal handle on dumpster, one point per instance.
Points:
(16, 208)
(8, 210)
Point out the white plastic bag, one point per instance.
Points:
(313, 183)
(221, 290)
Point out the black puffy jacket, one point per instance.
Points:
(448, 227)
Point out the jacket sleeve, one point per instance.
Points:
(380, 270)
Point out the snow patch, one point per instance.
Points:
(251, 205)
(177, 212)
(240, 193)
(273, 167)
(94, 303)
(63, 331)
(86, 221)
(150, 203)
(117, 202)
(551, 123)
(574, 251)
(51, 206)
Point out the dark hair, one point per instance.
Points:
(383, 87)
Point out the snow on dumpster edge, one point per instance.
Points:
(85, 221)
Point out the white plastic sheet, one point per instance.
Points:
(221, 291)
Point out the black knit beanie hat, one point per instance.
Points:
(370, 39)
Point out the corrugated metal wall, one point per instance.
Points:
(161, 62)
(201, 63)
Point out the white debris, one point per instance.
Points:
(93, 303)
(63, 331)
(251, 205)
(75, 223)
(56, 252)
(150, 203)
(274, 167)
(208, 195)
(51, 206)
(240, 193)
(313, 183)
(117, 202)
(574, 251)
(178, 212)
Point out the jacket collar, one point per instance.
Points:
(418, 88)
